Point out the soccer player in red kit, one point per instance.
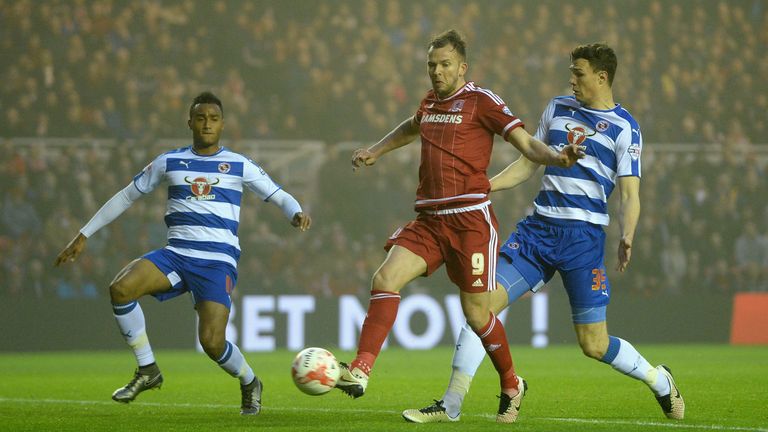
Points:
(456, 121)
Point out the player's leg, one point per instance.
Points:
(588, 288)
(494, 340)
(400, 267)
(212, 328)
(469, 353)
(471, 264)
(518, 271)
(138, 278)
(596, 343)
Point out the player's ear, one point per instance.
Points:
(463, 68)
(602, 77)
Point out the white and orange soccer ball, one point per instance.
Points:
(315, 371)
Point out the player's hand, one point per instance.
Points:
(73, 249)
(625, 254)
(571, 153)
(301, 221)
(362, 157)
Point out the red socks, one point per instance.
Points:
(382, 311)
(494, 340)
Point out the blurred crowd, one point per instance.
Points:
(693, 73)
(703, 227)
(350, 69)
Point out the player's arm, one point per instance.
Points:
(113, 208)
(517, 172)
(403, 134)
(291, 209)
(629, 215)
(540, 153)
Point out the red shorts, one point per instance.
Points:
(465, 239)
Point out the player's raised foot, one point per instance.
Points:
(251, 397)
(145, 378)
(672, 404)
(509, 407)
(352, 382)
(434, 413)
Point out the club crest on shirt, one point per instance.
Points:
(201, 188)
(457, 106)
(224, 167)
(578, 134)
(602, 126)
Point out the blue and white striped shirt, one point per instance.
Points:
(204, 195)
(613, 146)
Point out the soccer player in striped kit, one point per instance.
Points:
(565, 233)
(205, 187)
(457, 121)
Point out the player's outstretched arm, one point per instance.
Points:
(73, 249)
(515, 173)
(540, 153)
(106, 214)
(301, 221)
(403, 134)
(291, 209)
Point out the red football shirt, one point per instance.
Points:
(456, 143)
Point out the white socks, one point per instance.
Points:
(234, 363)
(130, 320)
(623, 357)
(467, 357)
(469, 354)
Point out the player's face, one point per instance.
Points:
(446, 70)
(585, 82)
(206, 123)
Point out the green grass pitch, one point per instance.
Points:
(725, 388)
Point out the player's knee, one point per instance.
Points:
(477, 318)
(499, 299)
(121, 292)
(594, 351)
(212, 344)
(383, 282)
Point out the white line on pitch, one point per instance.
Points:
(357, 410)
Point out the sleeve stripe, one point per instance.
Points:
(513, 124)
(491, 95)
(270, 195)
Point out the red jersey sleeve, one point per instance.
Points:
(494, 114)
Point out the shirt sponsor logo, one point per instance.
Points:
(201, 189)
(442, 118)
(578, 134)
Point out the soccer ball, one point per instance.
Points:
(315, 371)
